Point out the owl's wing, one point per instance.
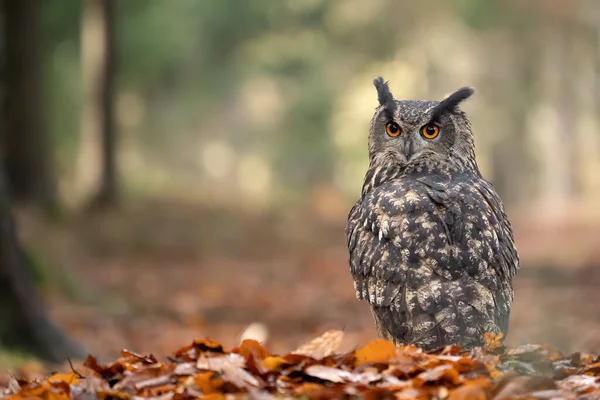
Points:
(429, 252)
(502, 256)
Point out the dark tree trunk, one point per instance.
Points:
(109, 185)
(23, 320)
(26, 144)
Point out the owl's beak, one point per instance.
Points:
(408, 148)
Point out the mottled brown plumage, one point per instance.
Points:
(431, 248)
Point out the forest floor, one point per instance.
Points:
(154, 275)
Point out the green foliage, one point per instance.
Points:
(188, 64)
(483, 14)
(62, 80)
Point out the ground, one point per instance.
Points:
(154, 275)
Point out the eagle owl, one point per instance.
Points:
(430, 246)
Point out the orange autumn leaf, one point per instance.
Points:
(380, 350)
(56, 396)
(156, 391)
(442, 374)
(111, 395)
(273, 363)
(31, 392)
(493, 341)
(199, 346)
(307, 387)
(592, 369)
(205, 369)
(494, 373)
(214, 396)
(251, 347)
(71, 378)
(208, 382)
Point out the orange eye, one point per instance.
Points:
(430, 131)
(392, 129)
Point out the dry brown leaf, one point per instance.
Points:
(13, 385)
(579, 383)
(515, 387)
(592, 369)
(335, 375)
(322, 346)
(468, 392)
(234, 373)
(217, 363)
(214, 396)
(307, 387)
(198, 347)
(377, 370)
(442, 374)
(131, 380)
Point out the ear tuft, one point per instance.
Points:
(384, 95)
(451, 101)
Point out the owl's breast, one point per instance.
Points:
(426, 226)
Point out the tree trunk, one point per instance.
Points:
(98, 163)
(109, 184)
(23, 320)
(27, 152)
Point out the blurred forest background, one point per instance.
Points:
(180, 169)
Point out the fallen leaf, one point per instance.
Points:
(273, 363)
(380, 350)
(214, 396)
(70, 378)
(441, 374)
(208, 381)
(322, 346)
(327, 373)
(592, 369)
(515, 387)
(468, 392)
(251, 347)
(493, 341)
(217, 363)
(199, 346)
(205, 369)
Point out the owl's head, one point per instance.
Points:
(421, 133)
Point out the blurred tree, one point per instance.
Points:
(26, 145)
(24, 324)
(97, 157)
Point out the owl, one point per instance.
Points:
(430, 246)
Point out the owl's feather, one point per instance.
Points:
(434, 256)
(450, 102)
(384, 95)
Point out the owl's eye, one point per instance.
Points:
(430, 131)
(392, 129)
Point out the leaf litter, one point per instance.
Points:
(207, 369)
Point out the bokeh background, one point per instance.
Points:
(181, 169)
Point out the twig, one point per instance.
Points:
(73, 369)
